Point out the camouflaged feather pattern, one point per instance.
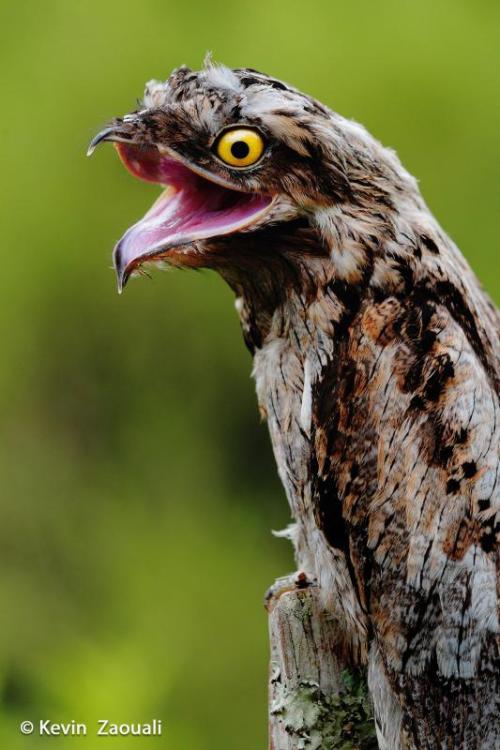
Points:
(376, 360)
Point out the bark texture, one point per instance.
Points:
(314, 703)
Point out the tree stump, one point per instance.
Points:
(314, 703)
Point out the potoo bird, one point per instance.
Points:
(376, 362)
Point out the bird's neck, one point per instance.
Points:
(300, 288)
(300, 285)
(290, 275)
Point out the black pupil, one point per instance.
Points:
(240, 149)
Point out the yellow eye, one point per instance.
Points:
(240, 147)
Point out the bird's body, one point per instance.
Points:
(376, 360)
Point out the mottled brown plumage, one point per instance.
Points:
(376, 359)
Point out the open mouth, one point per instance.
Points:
(192, 207)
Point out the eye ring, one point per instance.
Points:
(240, 146)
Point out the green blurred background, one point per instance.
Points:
(137, 485)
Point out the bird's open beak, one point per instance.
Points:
(193, 206)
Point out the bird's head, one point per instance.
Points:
(238, 153)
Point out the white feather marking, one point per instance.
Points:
(222, 77)
(306, 405)
(291, 532)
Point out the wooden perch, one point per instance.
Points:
(314, 703)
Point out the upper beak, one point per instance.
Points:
(105, 135)
(117, 132)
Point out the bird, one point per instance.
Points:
(376, 363)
